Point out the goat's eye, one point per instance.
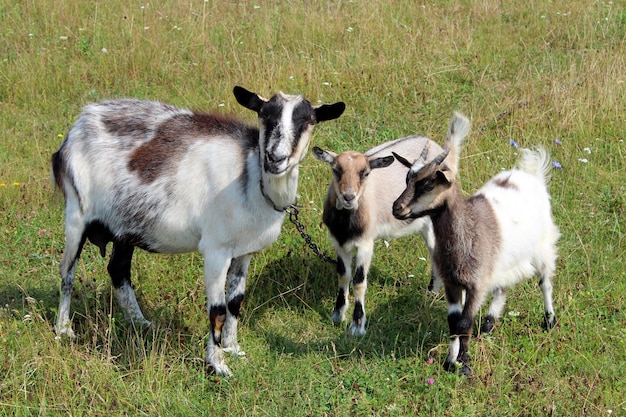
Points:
(364, 174)
(429, 186)
(337, 172)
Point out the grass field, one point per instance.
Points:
(526, 73)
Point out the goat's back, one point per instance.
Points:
(166, 174)
(385, 185)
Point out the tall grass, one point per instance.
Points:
(537, 72)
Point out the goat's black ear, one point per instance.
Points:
(323, 155)
(248, 99)
(402, 160)
(383, 162)
(329, 111)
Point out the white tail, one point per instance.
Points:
(536, 162)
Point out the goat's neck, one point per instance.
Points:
(451, 219)
(280, 191)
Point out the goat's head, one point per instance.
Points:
(285, 126)
(426, 187)
(350, 172)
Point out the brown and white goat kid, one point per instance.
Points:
(357, 212)
(168, 180)
(488, 242)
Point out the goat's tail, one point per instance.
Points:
(459, 128)
(536, 162)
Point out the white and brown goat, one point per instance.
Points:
(486, 243)
(168, 180)
(357, 212)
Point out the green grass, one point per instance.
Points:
(530, 71)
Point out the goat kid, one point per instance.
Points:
(168, 180)
(486, 243)
(357, 212)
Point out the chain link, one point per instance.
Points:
(293, 212)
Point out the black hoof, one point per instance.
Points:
(488, 325)
(449, 366)
(459, 368)
(465, 370)
(549, 321)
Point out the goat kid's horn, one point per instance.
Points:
(439, 159)
(424, 154)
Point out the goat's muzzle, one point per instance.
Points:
(401, 211)
(275, 165)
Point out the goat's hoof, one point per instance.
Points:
(220, 370)
(459, 368)
(235, 351)
(65, 332)
(488, 325)
(215, 360)
(549, 321)
(337, 317)
(357, 329)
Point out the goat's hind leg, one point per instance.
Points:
(119, 270)
(75, 237)
(235, 291)
(495, 310)
(545, 283)
(428, 234)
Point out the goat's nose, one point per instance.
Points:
(274, 159)
(349, 196)
(398, 208)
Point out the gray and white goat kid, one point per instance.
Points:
(168, 180)
(357, 212)
(488, 242)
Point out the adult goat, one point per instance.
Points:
(168, 180)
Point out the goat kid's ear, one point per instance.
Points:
(323, 155)
(445, 176)
(402, 160)
(248, 99)
(382, 162)
(329, 111)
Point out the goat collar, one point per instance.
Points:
(269, 200)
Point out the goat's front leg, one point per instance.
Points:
(235, 290)
(359, 284)
(344, 273)
(461, 314)
(216, 266)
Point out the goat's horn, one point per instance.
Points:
(439, 159)
(425, 151)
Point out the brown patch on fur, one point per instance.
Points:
(219, 322)
(123, 126)
(505, 183)
(172, 138)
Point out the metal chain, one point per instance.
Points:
(292, 210)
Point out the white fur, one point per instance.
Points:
(206, 196)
